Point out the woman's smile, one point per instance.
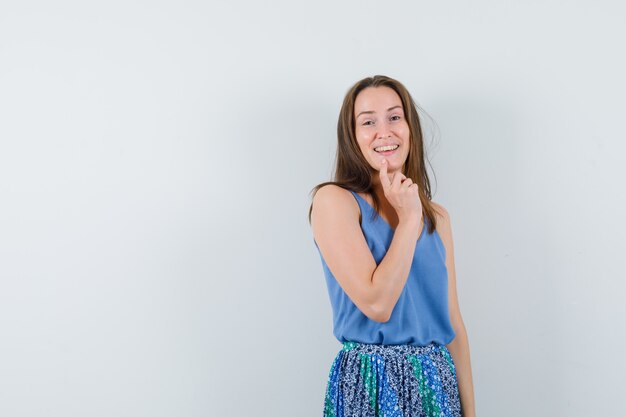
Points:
(386, 150)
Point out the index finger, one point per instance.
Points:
(384, 178)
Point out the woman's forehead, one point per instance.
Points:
(376, 99)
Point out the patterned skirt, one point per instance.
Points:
(392, 380)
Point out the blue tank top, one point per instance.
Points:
(421, 314)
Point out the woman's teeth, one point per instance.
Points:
(382, 149)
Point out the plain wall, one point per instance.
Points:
(155, 165)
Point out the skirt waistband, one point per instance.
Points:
(397, 349)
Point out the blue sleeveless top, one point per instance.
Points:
(421, 314)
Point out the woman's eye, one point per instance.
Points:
(395, 117)
(368, 122)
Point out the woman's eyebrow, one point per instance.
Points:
(372, 111)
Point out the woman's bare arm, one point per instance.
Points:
(459, 347)
(374, 289)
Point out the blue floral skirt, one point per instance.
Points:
(368, 380)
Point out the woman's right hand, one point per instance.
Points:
(401, 192)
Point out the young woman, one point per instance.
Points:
(387, 254)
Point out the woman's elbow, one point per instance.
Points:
(379, 313)
(373, 306)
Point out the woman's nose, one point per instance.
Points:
(383, 131)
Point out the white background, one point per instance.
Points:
(155, 164)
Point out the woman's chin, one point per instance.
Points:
(390, 166)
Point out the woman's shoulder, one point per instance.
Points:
(332, 189)
(440, 211)
(333, 197)
(443, 221)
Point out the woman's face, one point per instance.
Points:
(380, 121)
